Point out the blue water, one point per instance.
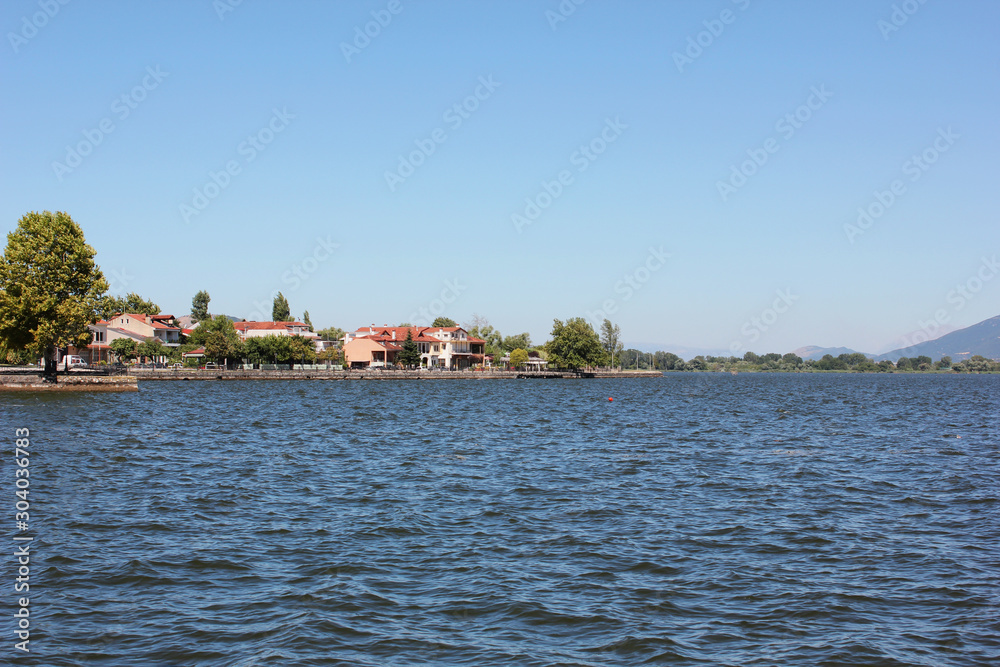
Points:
(696, 519)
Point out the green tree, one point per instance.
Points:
(698, 363)
(280, 312)
(829, 363)
(521, 340)
(300, 350)
(979, 364)
(518, 357)
(792, 360)
(574, 344)
(16, 357)
(331, 333)
(943, 364)
(125, 349)
(306, 321)
(151, 348)
(199, 306)
(903, 364)
(481, 328)
(255, 349)
(130, 303)
(611, 336)
(443, 322)
(223, 345)
(219, 338)
(854, 359)
(332, 355)
(50, 287)
(410, 354)
(668, 361)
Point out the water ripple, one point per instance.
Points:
(696, 520)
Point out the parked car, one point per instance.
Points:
(210, 366)
(74, 361)
(177, 364)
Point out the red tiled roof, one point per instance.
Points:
(268, 326)
(420, 334)
(156, 321)
(161, 325)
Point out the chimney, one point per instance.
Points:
(394, 334)
(149, 320)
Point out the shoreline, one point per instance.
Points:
(35, 382)
(181, 375)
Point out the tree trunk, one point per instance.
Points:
(49, 374)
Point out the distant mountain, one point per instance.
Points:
(816, 353)
(982, 338)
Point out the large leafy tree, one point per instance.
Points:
(331, 333)
(443, 322)
(611, 341)
(124, 348)
(280, 349)
(280, 312)
(306, 321)
(151, 348)
(481, 328)
(518, 357)
(521, 340)
(199, 306)
(574, 344)
(199, 336)
(301, 350)
(332, 355)
(410, 354)
(50, 286)
(222, 343)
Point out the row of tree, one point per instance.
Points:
(51, 289)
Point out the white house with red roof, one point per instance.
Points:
(440, 347)
(259, 329)
(138, 327)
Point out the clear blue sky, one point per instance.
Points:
(672, 131)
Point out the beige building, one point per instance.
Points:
(440, 347)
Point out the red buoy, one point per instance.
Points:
(610, 399)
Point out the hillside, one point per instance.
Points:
(982, 339)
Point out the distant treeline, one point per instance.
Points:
(633, 359)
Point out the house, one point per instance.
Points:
(365, 351)
(138, 327)
(440, 347)
(148, 326)
(534, 362)
(258, 329)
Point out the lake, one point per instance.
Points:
(696, 519)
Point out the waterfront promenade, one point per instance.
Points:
(307, 373)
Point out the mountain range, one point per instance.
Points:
(982, 339)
